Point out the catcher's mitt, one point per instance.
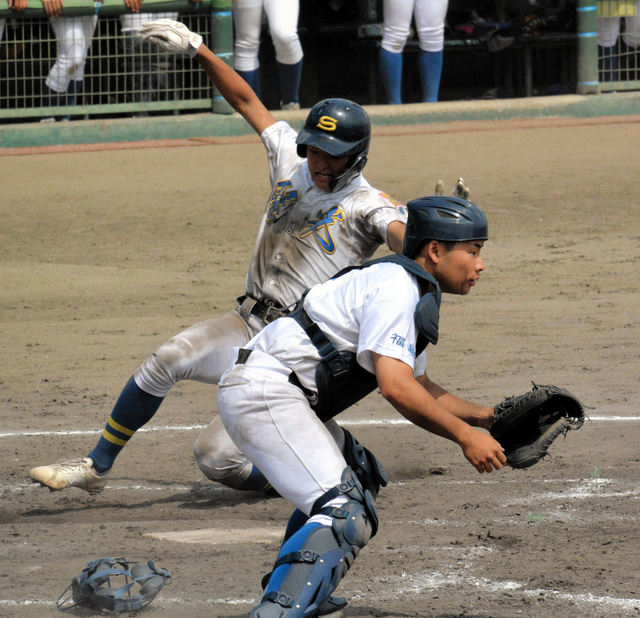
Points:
(527, 425)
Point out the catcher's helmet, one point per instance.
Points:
(443, 218)
(341, 128)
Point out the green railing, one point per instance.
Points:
(122, 75)
(121, 78)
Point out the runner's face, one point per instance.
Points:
(324, 167)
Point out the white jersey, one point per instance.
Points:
(373, 313)
(307, 235)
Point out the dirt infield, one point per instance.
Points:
(105, 254)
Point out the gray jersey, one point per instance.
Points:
(307, 235)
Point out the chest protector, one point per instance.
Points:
(340, 380)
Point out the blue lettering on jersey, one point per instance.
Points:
(412, 349)
(281, 199)
(319, 227)
(398, 340)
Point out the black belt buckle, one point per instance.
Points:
(243, 356)
(270, 315)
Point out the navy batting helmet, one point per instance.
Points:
(341, 128)
(443, 218)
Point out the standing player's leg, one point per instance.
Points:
(64, 82)
(397, 20)
(199, 353)
(608, 30)
(283, 25)
(430, 16)
(247, 20)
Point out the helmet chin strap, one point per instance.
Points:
(350, 173)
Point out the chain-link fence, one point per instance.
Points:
(84, 65)
(618, 36)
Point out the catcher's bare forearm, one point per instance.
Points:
(472, 413)
(416, 404)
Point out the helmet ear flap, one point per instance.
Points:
(354, 167)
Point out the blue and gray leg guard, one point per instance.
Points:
(314, 560)
(365, 464)
(332, 604)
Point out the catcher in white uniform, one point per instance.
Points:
(321, 216)
(358, 331)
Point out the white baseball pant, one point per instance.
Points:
(283, 26)
(429, 16)
(201, 353)
(271, 422)
(74, 36)
(608, 29)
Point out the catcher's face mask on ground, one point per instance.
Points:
(115, 585)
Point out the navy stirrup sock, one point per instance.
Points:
(290, 75)
(430, 73)
(391, 75)
(133, 409)
(296, 521)
(256, 481)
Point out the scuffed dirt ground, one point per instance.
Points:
(105, 255)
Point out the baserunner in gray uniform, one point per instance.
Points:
(321, 217)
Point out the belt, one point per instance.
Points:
(267, 312)
(312, 397)
(243, 356)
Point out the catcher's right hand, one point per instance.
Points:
(460, 189)
(172, 36)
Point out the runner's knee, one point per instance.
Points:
(219, 458)
(167, 366)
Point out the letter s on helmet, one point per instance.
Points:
(341, 128)
(442, 218)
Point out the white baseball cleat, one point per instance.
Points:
(78, 473)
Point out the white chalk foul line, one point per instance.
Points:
(361, 423)
(420, 582)
(460, 573)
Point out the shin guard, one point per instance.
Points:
(314, 560)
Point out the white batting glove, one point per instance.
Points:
(460, 189)
(172, 36)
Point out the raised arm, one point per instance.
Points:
(235, 90)
(177, 38)
(416, 404)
